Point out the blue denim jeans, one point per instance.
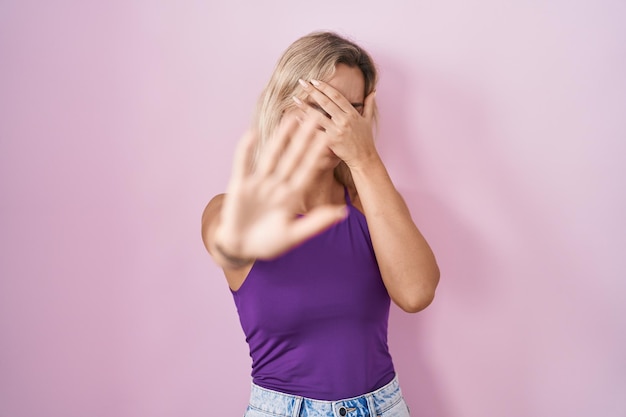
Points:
(384, 402)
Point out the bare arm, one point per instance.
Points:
(235, 269)
(406, 262)
(257, 217)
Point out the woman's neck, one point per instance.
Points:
(324, 189)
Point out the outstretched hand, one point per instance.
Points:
(259, 216)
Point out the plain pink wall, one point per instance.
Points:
(502, 124)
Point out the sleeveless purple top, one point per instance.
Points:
(315, 318)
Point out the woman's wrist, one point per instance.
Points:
(366, 164)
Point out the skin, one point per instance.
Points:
(257, 217)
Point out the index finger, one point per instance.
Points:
(325, 102)
(335, 96)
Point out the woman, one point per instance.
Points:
(315, 240)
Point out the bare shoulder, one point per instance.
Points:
(210, 215)
(210, 220)
(213, 208)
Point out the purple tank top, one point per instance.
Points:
(315, 318)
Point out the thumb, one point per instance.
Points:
(316, 221)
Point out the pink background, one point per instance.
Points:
(502, 124)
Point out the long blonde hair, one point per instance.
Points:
(314, 56)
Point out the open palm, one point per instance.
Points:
(259, 216)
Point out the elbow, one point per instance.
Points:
(415, 304)
(418, 300)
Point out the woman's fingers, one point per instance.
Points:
(329, 99)
(271, 154)
(306, 169)
(324, 91)
(316, 221)
(243, 155)
(369, 106)
(299, 146)
(295, 148)
(315, 112)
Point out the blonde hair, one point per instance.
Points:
(314, 56)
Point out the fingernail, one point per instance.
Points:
(297, 100)
(303, 83)
(315, 83)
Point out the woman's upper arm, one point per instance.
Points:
(210, 220)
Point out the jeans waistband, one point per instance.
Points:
(285, 405)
